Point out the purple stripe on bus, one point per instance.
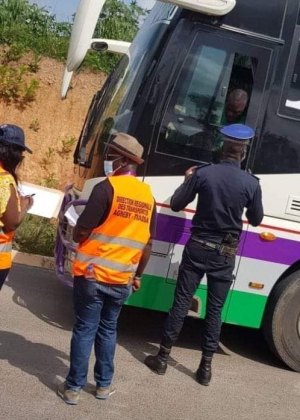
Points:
(282, 251)
(169, 226)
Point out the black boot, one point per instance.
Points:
(204, 371)
(158, 363)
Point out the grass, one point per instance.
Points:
(36, 235)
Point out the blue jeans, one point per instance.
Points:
(97, 307)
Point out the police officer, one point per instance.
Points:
(224, 190)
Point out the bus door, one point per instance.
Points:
(197, 78)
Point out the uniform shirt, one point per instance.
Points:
(224, 190)
(99, 205)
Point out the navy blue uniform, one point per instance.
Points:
(224, 191)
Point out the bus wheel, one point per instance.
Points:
(281, 324)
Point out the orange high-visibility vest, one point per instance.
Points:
(112, 252)
(5, 242)
(5, 249)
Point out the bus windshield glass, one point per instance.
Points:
(114, 110)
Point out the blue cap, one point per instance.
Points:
(238, 132)
(14, 135)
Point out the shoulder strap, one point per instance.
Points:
(203, 165)
(256, 177)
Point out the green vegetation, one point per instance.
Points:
(27, 33)
(67, 145)
(17, 86)
(35, 125)
(50, 179)
(36, 235)
(30, 27)
(63, 150)
(117, 21)
(27, 29)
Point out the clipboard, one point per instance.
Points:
(47, 201)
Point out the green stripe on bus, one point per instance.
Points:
(241, 308)
(245, 309)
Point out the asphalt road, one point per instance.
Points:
(35, 329)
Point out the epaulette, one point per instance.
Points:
(256, 177)
(202, 166)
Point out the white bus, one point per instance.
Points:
(170, 91)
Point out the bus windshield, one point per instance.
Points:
(114, 110)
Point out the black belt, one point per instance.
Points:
(209, 244)
(224, 249)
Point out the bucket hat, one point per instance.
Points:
(127, 146)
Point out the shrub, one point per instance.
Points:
(50, 180)
(36, 235)
(66, 146)
(15, 86)
(13, 53)
(34, 65)
(35, 125)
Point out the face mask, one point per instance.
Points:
(108, 166)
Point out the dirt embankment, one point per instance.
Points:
(50, 122)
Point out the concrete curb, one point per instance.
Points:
(33, 260)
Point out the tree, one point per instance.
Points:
(116, 21)
(119, 21)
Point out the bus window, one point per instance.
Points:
(213, 81)
(199, 85)
(293, 96)
(290, 99)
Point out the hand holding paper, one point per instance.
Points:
(71, 216)
(47, 201)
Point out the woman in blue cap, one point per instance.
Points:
(224, 191)
(13, 207)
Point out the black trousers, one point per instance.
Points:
(196, 261)
(3, 275)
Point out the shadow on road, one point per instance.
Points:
(36, 359)
(138, 328)
(249, 343)
(42, 294)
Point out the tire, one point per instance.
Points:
(281, 324)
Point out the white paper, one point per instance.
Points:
(46, 201)
(71, 216)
